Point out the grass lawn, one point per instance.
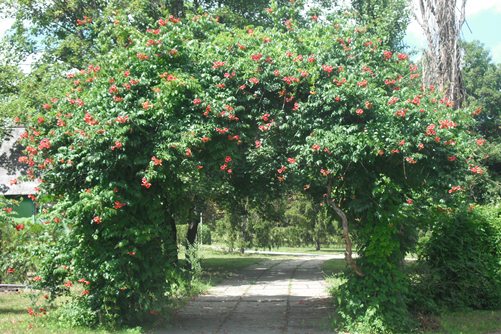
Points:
(469, 322)
(14, 319)
(309, 250)
(217, 267)
(334, 266)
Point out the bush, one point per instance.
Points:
(461, 262)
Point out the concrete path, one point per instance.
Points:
(275, 296)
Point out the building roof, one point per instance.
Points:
(10, 168)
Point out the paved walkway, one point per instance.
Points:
(273, 297)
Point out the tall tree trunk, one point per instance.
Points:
(244, 233)
(173, 242)
(441, 21)
(191, 235)
(177, 8)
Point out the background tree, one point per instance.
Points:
(387, 18)
(441, 21)
(482, 84)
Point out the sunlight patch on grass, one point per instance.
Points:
(470, 322)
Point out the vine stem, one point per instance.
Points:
(348, 253)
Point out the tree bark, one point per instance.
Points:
(348, 253)
(191, 235)
(441, 21)
(172, 225)
(244, 233)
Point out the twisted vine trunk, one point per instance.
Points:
(348, 253)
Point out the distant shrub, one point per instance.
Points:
(460, 264)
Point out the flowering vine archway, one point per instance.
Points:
(193, 110)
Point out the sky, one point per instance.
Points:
(483, 18)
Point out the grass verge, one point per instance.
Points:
(14, 319)
(469, 322)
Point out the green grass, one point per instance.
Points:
(217, 265)
(309, 249)
(14, 319)
(333, 266)
(469, 322)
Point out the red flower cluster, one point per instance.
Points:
(402, 56)
(362, 83)
(447, 124)
(44, 144)
(84, 21)
(281, 169)
(290, 80)
(222, 131)
(218, 64)
(122, 119)
(430, 130)
(118, 205)
(401, 113)
(89, 119)
(476, 170)
(118, 145)
(327, 68)
(256, 57)
(156, 161)
(145, 183)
